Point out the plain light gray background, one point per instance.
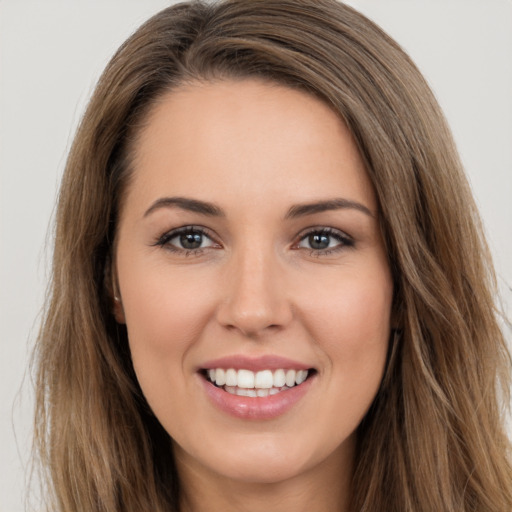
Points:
(51, 54)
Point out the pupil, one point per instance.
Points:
(191, 240)
(319, 241)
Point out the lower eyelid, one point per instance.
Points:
(341, 237)
(344, 240)
(164, 241)
(204, 235)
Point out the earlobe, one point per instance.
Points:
(117, 303)
(118, 310)
(113, 292)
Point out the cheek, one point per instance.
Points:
(351, 329)
(164, 308)
(166, 312)
(350, 322)
(351, 302)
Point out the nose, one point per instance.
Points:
(255, 295)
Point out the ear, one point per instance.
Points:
(114, 295)
(117, 306)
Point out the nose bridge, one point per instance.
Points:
(254, 299)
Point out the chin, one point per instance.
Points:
(268, 458)
(263, 470)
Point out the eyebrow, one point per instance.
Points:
(301, 210)
(192, 205)
(298, 210)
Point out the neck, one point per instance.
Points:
(325, 487)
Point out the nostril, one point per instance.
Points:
(253, 310)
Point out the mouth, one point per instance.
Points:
(259, 384)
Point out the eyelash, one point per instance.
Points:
(164, 241)
(344, 240)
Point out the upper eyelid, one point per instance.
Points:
(168, 235)
(172, 233)
(189, 228)
(324, 229)
(345, 240)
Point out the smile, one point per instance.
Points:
(256, 384)
(259, 388)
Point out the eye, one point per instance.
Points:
(188, 239)
(324, 240)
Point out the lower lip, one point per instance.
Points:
(256, 408)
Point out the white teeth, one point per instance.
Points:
(266, 381)
(290, 378)
(301, 376)
(220, 377)
(246, 392)
(233, 390)
(231, 378)
(245, 379)
(279, 378)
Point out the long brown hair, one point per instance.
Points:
(434, 437)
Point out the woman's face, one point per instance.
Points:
(249, 251)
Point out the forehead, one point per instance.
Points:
(248, 140)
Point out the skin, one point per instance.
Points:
(256, 286)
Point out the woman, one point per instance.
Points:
(270, 286)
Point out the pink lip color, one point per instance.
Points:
(255, 408)
(255, 364)
(258, 408)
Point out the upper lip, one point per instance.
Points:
(255, 364)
